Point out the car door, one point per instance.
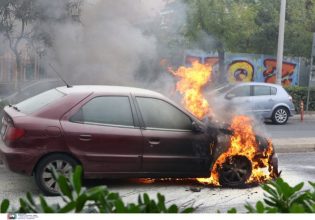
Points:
(103, 134)
(171, 146)
(240, 97)
(264, 98)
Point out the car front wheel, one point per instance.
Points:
(235, 171)
(62, 164)
(280, 115)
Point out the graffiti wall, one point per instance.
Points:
(251, 67)
(260, 68)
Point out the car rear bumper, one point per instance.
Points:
(18, 160)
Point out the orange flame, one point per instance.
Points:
(243, 141)
(193, 79)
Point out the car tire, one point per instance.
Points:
(43, 175)
(235, 171)
(280, 115)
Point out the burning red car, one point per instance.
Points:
(126, 132)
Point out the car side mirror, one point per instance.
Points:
(196, 127)
(230, 96)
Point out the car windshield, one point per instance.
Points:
(34, 103)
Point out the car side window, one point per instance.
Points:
(240, 91)
(160, 114)
(108, 110)
(273, 91)
(262, 90)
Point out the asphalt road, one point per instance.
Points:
(293, 129)
(295, 168)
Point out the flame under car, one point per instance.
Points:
(120, 132)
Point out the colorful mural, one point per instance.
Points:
(261, 68)
(251, 67)
(270, 72)
(240, 70)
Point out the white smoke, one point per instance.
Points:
(109, 45)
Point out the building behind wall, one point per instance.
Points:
(31, 69)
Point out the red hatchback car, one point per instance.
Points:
(112, 132)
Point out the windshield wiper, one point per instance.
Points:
(16, 108)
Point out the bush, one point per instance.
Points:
(280, 197)
(98, 199)
(299, 93)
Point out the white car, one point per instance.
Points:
(266, 100)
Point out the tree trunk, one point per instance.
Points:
(18, 75)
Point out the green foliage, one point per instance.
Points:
(280, 197)
(300, 93)
(230, 23)
(252, 26)
(78, 199)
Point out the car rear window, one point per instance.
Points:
(35, 103)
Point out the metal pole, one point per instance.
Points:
(311, 73)
(280, 41)
(309, 86)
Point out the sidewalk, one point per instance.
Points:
(307, 116)
(294, 145)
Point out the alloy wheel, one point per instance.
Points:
(281, 116)
(235, 171)
(61, 167)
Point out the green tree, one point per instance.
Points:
(250, 26)
(20, 22)
(231, 25)
(15, 16)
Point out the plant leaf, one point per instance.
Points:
(77, 179)
(4, 206)
(45, 206)
(67, 208)
(232, 210)
(64, 187)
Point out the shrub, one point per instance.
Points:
(78, 199)
(280, 197)
(300, 93)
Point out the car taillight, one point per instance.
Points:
(14, 133)
(290, 98)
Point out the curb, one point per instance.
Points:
(295, 148)
(294, 145)
(307, 116)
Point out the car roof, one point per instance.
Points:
(109, 89)
(120, 90)
(257, 83)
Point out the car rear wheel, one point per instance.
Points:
(63, 164)
(235, 171)
(280, 115)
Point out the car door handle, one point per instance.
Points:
(154, 141)
(85, 137)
